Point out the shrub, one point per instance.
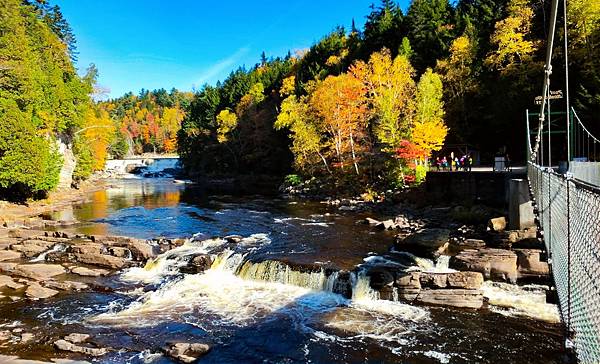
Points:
(293, 180)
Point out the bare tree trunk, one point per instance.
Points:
(353, 154)
(325, 163)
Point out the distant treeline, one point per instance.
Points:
(488, 55)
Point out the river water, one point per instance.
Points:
(257, 304)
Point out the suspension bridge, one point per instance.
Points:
(566, 196)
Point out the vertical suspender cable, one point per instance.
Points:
(567, 81)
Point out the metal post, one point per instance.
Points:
(528, 143)
(568, 255)
(571, 132)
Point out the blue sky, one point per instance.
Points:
(184, 44)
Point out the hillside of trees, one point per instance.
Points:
(362, 107)
(48, 117)
(369, 105)
(147, 122)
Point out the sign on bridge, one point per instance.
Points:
(554, 95)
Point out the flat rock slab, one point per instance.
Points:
(39, 272)
(69, 346)
(465, 298)
(35, 291)
(9, 255)
(87, 272)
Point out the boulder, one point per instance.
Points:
(87, 272)
(35, 291)
(39, 272)
(198, 264)
(530, 264)
(425, 242)
(495, 264)
(9, 255)
(497, 224)
(434, 280)
(185, 352)
(66, 345)
(472, 244)
(466, 298)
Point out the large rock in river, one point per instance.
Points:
(425, 242)
(495, 264)
(39, 272)
(467, 298)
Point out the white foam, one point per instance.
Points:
(527, 301)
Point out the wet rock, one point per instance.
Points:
(102, 260)
(472, 244)
(408, 285)
(343, 284)
(434, 280)
(497, 224)
(530, 264)
(371, 221)
(198, 264)
(466, 298)
(185, 352)
(36, 291)
(5, 335)
(39, 272)
(386, 225)
(26, 337)
(88, 249)
(425, 242)
(7, 267)
(465, 280)
(87, 272)
(495, 264)
(120, 252)
(77, 338)
(29, 250)
(69, 346)
(9, 255)
(66, 285)
(6, 281)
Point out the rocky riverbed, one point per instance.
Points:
(393, 281)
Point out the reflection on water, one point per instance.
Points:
(301, 232)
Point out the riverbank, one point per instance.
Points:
(30, 214)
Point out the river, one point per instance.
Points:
(250, 306)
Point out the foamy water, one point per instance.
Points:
(527, 301)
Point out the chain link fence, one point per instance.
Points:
(569, 217)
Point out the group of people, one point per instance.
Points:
(452, 163)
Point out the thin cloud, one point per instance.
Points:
(221, 66)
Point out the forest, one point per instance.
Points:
(360, 107)
(368, 106)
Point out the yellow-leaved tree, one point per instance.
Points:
(390, 88)
(511, 40)
(429, 130)
(226, 123)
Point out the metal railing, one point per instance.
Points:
(569, 217)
